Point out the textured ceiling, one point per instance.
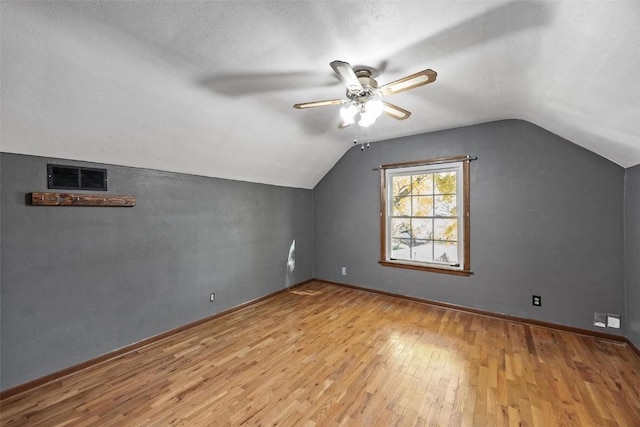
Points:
(207, 88)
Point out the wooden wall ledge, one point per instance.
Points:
(70, 199)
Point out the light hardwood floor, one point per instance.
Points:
(326, 355)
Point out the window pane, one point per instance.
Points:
(401, 206)
(422, 206)
(401, 185)
(445, 229)
(445, 205)
(422, 228)
(422, 250)
(422, 184)
(445, 183)
(445, 252)
(401, 228)
(400, 248)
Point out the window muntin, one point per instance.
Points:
(425, 215)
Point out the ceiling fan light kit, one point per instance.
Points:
(366, 112)
(364, 97)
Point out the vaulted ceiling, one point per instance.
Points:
(207, 88)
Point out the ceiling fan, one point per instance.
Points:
(365, 97)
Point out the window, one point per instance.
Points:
(424, 218)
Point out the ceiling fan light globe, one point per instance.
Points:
(348, 114)
(366, 120)
(374, 108)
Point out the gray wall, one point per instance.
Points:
(632, 251)
(78, 282)
(546, 219)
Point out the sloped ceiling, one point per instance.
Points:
(207, 88)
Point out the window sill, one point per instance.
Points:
(421, 267)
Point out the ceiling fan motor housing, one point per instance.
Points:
(369, 87)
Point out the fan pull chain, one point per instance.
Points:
(364, 137)
(355, 133)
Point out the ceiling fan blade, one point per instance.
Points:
(343, 125)
(319, 103)
(347, 75)
(395, 112)
(414, 80)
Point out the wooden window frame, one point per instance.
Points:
(465, 268)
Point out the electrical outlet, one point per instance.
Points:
(212, 297)
(344, 271)
(536, 300)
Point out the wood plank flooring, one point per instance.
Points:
(324, 355)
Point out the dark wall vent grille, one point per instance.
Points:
(76, 178)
